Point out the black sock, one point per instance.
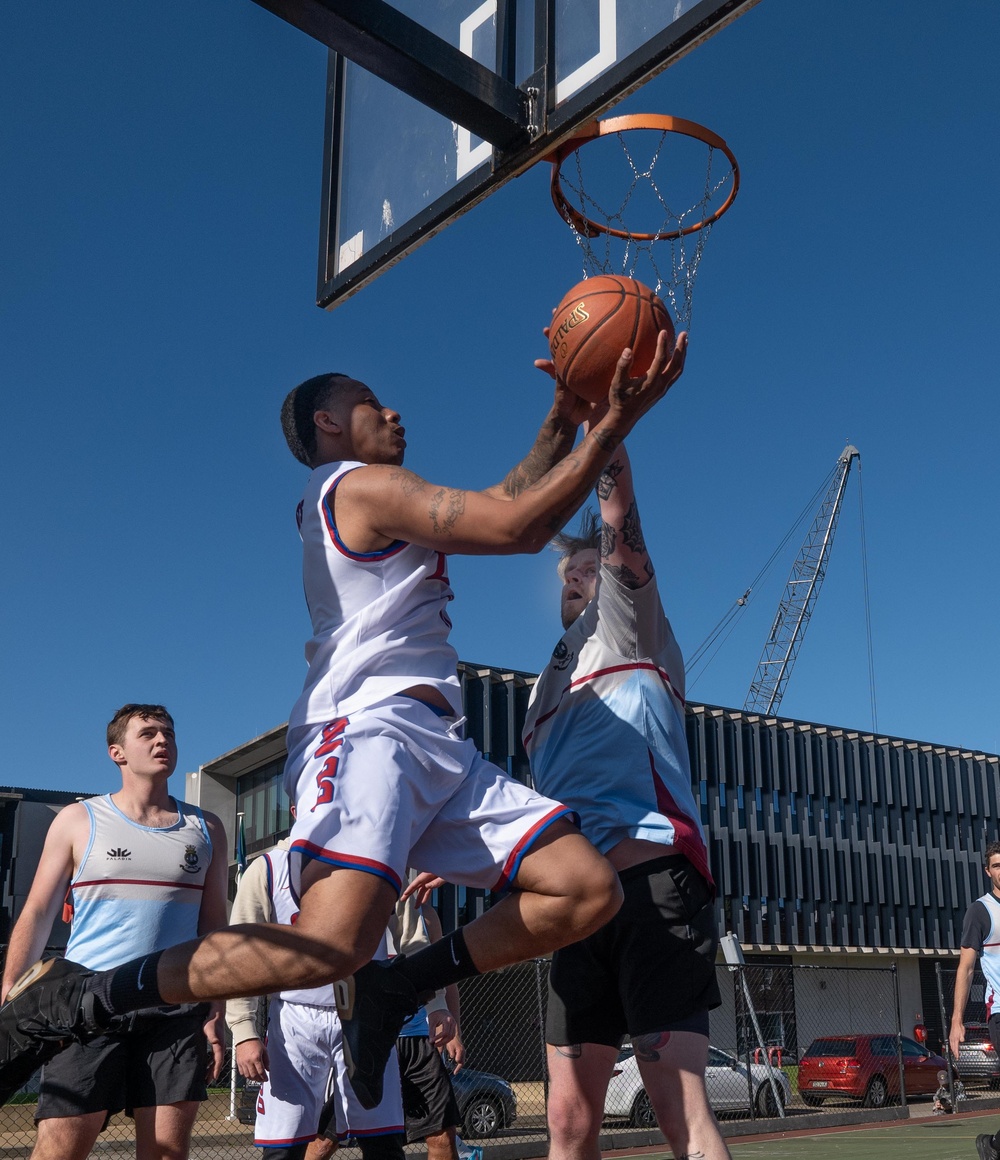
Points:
(127, 988)
(444, 962)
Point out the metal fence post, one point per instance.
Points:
(944, 1032)
(899, 1037)
(541, 1033)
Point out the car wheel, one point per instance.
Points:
(877, 1095)
(811, 1101)
(643, 1115)
(766, 1103)
(483, 1117)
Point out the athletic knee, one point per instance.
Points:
(572, 1120)
(597, 896)
(442, 1145)
(387, 1147)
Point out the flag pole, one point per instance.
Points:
(241, 865)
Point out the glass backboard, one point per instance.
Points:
(396, 171)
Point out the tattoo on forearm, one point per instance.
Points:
(625, 576)
(648, 1047)
(552, 444)
(609, 537)
(632, 529)
(454, 505)
(409, 483)
(609, 480)
(604, 441)
(573, 1051)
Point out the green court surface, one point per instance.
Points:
(937, 1138)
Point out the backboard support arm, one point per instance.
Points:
(408, 56)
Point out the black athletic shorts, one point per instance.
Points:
(162, 1059)
(652, 968)
(429, 1104)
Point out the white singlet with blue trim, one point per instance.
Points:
(286, 912)
(605, 728)
(989, 958)
(138, 889)
(379, 619)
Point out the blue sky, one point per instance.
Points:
(159, 209)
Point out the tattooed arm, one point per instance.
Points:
(380, 503)
(553, 443)
(623, 548)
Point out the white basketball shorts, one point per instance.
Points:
(395, 786)
(306, 1065)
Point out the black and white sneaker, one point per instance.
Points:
(984, 1146)
(48, 1008)
(373, 1004)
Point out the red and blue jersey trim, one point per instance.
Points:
(634, 666)
(516, 856)
(285, 1143)
(310, 851)
(392, 549)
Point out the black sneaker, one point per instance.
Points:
(984, 1146)
(46, 1010)
(373, 1004)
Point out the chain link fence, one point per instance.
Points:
(788, 1041)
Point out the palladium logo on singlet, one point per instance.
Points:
(120, 855)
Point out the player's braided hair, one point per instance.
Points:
(301, 403)
(119, 722)
(588, 536)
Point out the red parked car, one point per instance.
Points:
(866, 1068)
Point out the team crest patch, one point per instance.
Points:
(190, 863)
(562, 658)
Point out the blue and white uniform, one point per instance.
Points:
(383, 781)
(604, 731)
(304, 1039)
(138, 888)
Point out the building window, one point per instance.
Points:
(261, 799)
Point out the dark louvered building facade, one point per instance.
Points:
(820, 837)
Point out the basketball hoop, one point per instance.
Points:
(616, 197)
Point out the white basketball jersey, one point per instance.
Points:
(989, 960)
(380, 621)
(286, 912)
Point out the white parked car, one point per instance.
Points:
(729, 1088)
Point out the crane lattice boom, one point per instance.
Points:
(796, 607)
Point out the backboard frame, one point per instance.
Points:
(554, 122)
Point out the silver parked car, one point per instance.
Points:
(730, 1089)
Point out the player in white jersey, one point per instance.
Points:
(605, 733)
(143, 871)
(981, 940)
(390, 782)
(302, 1062)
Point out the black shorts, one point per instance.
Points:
(652, 968)
(429, 1104)
(161, 1060)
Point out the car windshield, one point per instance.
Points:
(976, 1034)
(837, 1047)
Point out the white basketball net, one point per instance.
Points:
(669, 265)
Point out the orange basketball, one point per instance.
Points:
(595, 322)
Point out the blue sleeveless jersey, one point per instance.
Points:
(138, 889)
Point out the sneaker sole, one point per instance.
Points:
(30, 977)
